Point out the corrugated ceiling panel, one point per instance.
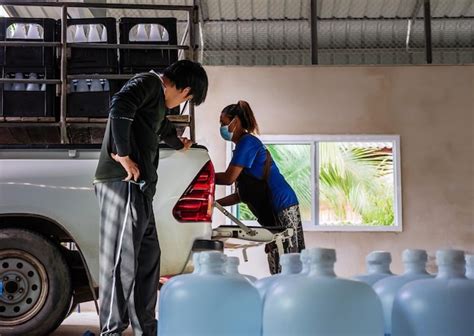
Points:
(260, 9)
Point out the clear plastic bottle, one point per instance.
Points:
(290, 265)
(96, 85)
(106, 85)
(33, 32)
(33, 86)
(378, 267)
(470, 266)
(209, 302)
(82, 85)
(18, 86)
(232, 268)
(320, 304)
(415, 269)
(103, 35)
(155, 33)
(165, 35)
(80, 35)
(19, 31)
(142, 35)
(93, 36)
(440, 306)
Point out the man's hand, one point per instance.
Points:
(186, 143)
(129, 165)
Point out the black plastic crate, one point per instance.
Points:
(133, 61)
(91, 104)
(26, 56)
(25, 103)
(88, 60)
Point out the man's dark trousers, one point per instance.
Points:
(129, 259)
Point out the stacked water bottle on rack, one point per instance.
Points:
(90, 97)
(90, 67)
(307, 298)
(147, 31)
(27, 100)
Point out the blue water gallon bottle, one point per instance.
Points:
(210, 302)
(470, 266)
(232, 268)
(320, 304)
(290, 265)
(414, 262)
(378, 267)
(440, 306)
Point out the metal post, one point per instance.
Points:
(192, 20)
(428, 44)
(314, 32)
(63, 106)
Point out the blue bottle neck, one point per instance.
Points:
(325, 270)
(415, 268)
(451, 271)
(215, 268)
(378, 268)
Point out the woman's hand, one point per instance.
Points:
(133, 173)
(229, 200)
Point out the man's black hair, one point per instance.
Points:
(191, 74)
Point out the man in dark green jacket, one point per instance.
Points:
(125, 183)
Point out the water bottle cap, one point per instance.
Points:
(212, 257)
(470, 259)
(379, 257)
(321, 255)
(233, 261)
(414, 255)
(449, 256)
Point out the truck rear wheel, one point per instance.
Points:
(36, 284)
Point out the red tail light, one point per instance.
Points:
(197, 201)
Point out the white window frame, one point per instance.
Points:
(312, 140)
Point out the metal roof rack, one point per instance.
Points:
(190, 53)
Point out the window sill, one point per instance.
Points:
(308, 227)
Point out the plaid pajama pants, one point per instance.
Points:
(289, 218)
(129, 259)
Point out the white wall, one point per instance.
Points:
(430, 107)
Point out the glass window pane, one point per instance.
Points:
(294, 163)
(356, 183)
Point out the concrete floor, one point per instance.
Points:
(78, 323)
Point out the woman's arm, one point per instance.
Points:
(230, 175)
(229, 200)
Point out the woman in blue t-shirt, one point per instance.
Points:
(259, 183)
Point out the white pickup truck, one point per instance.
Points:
(49, 227)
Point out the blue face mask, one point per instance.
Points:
(225, 134)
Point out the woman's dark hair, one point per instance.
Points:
(191, 74)
(243, 111)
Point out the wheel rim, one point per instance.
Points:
(25, 287)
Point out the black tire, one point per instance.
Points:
(29, 260)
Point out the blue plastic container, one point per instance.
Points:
(415, 269)
(210, 302)
(232, 268)
(440, 306)
(320, 304)
(290, 265)
(470, 266)
(378, 267)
